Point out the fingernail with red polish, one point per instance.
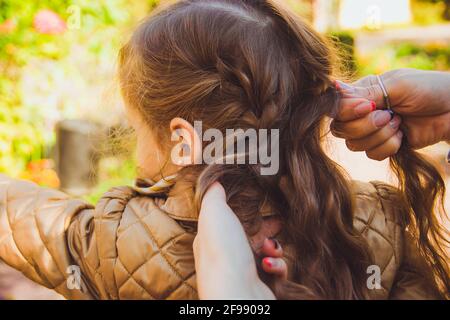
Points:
(337, 85)
(363, 109)
(268, 262)
(381, 118)
(373, 105)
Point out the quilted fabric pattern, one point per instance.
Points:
(382, 231)
(33, 224)
(129, 248)
(143, 253)
(126, 248)
(380, 217)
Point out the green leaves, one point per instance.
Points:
(87, 31)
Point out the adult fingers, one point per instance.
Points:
(214, 201)
(368, 89)
(214, 192)
(271, 248)
(361, 128)
(273, 262)
(366, 81)
(377, 138)
(387, 149)
(354, 108)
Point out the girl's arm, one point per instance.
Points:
(125, 248)
(41, 234)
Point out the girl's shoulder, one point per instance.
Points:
(144, 252)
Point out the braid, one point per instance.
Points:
(236, 64)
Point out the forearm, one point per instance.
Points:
(224, 260)
(33, 232)
(221, 245)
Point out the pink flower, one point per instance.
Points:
(8, 26)
(48, 22)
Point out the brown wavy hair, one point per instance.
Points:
(252, 64)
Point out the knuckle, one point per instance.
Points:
(372, 92)
(353, 129)
(397, 143)
(337, 130)
(385, 134)
(375, 156)
(372, 79)
(388, 149)
(334, 133)
(350, 145)
(366, 81)
(354, 146)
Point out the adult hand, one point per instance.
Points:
(224, 260)
(421, 100)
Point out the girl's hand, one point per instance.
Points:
(421, 100)
(224, 261)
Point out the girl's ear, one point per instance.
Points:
(188, 147)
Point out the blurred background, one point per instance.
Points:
(61, 113)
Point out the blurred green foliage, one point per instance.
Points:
(430, 11)
(24, 42)
(405, 55)
(25, 133)
(345, 44)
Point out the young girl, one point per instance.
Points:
(232, 64)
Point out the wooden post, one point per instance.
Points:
(77, 153)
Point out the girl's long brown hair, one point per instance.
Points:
(250, 64)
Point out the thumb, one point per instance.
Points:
(215, 192)
(370, 92)
(214, 200)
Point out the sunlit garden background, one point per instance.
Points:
(58, 84)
